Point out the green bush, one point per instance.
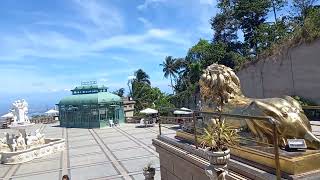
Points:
(304, 101)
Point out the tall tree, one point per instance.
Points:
(226, 47)
(141, 76)
(250, 15)
(195, 73)
(277, 5)
(200, 53)
(119, 92)
(141, 93)
(302, 6)
(224, 24)
(170, 69)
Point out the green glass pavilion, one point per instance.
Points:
(90, 107)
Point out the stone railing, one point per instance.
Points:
(44, 120)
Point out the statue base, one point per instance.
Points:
(51, 146)
(291, 163)
(20, 125)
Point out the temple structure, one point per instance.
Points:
(90, 106)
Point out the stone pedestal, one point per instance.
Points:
(177, 163)
(181, 161)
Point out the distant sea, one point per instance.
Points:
(39, 103)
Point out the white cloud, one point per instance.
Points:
(50, 44)
(131, 77)
(198, 13)
(104, 16)
(207, 2)
(102, 80)
(160, 33)
(54, 90)
(82, 28)
(45, 41)
(120, 59)
(145, 22)
(29, 79)
(25, 80)
(148, 3)
(208, 10)
(94, 29)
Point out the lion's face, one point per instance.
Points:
(219, 80)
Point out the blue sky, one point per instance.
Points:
(48, 47)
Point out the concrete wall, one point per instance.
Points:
(294, 72)
(175, 164)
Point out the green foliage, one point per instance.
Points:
(311, 28)
(206, 53)
(224, 23)
(306, 33)
(269, 34)
(163, 101)
(141, 77)
(302, 7)
(219, 136)
(170, 69)
(233, 60)
(119, 92)
(261, 38)
(145, 95)
(250, 15)
(201, 52)
(304, 101)
(276, 6)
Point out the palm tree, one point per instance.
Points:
(119, 92)
(194, 77)
(194, 72)
(170, 69)
(141, 76)
(189, 81)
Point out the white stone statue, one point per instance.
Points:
(27, 147)
(4, 139)
(20, 112)
(11, 142)
(21, 144)
(15, 143)
(36, 139)
(3, 143)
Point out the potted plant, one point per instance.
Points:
(218, 135)
(216, 139)
(149, 171)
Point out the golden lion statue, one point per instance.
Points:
(220, 81)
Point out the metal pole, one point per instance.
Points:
(159, 125)
(276, 151)
(195, 130)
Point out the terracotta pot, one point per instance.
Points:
(149, 174)
(219, 157)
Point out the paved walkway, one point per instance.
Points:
(110, 153)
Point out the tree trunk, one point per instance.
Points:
(171, 84)
(274, 11)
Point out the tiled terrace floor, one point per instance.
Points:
(111, 153)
